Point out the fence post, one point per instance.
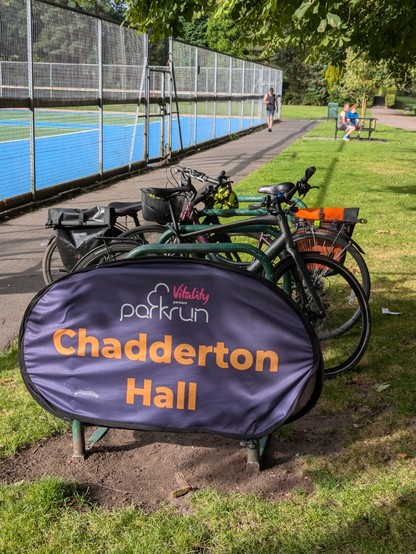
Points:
(230, 85)
(31, 87)
(196, 97)
(170, 62)
(100, 100)
(146, 98)
(215, 93)
(242, 94)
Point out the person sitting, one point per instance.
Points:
(343, 122)
(353, 120)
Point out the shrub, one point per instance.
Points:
(390, 100)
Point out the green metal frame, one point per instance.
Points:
(206, 248)
(254, 447)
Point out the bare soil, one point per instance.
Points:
(141, 468)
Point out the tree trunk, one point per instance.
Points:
(363, 105)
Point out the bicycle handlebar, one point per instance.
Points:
(202, 177)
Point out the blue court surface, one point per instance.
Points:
(66, 150)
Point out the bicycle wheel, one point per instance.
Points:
(119, 248)
(52, 266)
(345, 327)
(144, 234)
(106, 253)
(342, 250)
(238, 258)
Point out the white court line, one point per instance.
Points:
(74, 133)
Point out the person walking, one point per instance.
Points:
(272, 105)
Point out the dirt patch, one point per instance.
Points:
(140, 467)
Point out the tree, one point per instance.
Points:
(195, 31)
(225, 36)
(304, 82)
(362, 80)
(103, 8)
(382, 29)
(13, 37)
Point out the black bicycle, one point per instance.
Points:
(329, 295)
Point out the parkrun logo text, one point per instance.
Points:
(162, 303)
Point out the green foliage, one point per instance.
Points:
(13, 38)
(362, 79)
(333, 77)
(390, 100)
(304, 82)
(195, 31)
(225, 36)
(383, 30)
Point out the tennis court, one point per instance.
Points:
(69, 145)
(83, 98)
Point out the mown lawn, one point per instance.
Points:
(364, 495)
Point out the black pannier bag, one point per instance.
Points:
(79, 230)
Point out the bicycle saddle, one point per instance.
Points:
(125, 208)
(275, 189)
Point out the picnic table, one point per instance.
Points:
(410, 108)
(369, 126)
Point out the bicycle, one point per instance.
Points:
(220, 201)
(56, 262)
(326, 292)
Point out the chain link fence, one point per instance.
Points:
(83, 99)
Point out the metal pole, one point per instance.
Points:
(50, 81)
(215, 94)
(196, 96)
(280, 92)
(242, 94)
(230, 84)
(100, 101)
(31, 87)
(260, 109)
(253, 73)
(146, 97)
(137, 115)
(162, 117)
(78, 439)
(170, 62)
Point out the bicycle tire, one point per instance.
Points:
(344, 332)
(118, 248)
(52, 266)
(338, 248)
(342, 250)
(147, 234)
(235, 258)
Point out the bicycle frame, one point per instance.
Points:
(283, 241)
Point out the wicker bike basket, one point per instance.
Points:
(156, 208)
(337, 221)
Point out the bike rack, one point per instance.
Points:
(254, 447)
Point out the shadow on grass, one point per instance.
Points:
(387, 527)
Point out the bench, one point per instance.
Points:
(369, 126)
(410, 108)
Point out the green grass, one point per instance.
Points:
(363, 496)
(290, 111)
(23, 421)
(408, 99)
